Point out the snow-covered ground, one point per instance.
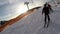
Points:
(33, 24)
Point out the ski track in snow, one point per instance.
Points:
(33, 24)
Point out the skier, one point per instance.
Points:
(46, 10)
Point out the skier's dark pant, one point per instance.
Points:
(46, 17)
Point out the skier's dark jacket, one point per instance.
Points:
(46, 10)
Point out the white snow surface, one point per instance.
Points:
(34, 22)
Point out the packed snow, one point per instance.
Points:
(34, 22)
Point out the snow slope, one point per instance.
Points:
(33, 24)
